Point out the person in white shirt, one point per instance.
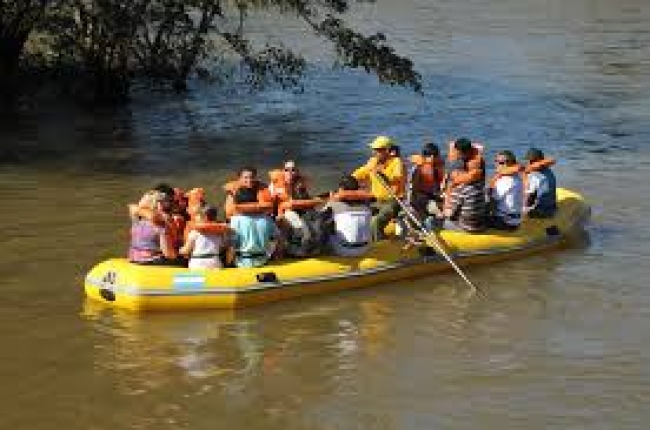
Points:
(506, 193)
(541, 190)
(350, 224)
(205, 242)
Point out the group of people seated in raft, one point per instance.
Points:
(264, 222)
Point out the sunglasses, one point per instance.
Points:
(500, 162)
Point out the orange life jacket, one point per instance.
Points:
(278, 188)
(535, 167)
(208, 227)
(231, 187)
(513, 170)
(430, 171)
(253, 208)
(264, 199)
(475, 165)
(352, 196)
(539, 165)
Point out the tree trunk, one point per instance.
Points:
(11, 49)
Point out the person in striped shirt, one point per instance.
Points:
(466, 207)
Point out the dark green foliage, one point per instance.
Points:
(17, 20)
(101, 46)
(370, 53)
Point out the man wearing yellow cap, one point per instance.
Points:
(391, 170)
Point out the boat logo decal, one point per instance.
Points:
(188, 280)
(109, 279)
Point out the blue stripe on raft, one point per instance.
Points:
(188, 280)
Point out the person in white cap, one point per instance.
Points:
(383, 168)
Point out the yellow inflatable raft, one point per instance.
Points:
(125, 285)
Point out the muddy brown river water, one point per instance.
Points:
(560, 342)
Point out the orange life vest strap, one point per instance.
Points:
(276, 176)
(539, 165)
(281, 188)
(174, 228)
(535, 167)
(352, 196)
(263, 196)
(253, 208)
(513, 170)
(475, 164)
(436, 173)
(472, 175)
(207, 227)
(416, 159)
(298, 204)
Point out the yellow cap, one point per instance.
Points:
(381, 142)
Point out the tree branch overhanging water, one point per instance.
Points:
(100, 47)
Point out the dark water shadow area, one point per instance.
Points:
(214, 129)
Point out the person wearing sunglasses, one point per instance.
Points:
(506, 193)
(288, 183)
(299, 222)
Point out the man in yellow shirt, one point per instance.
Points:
(392, 172)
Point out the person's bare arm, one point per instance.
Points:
(189, 246)
(167, 247)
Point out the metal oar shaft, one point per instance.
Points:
(429, 234)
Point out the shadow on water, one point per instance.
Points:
(117, 144)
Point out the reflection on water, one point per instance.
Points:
(328, 352)
(559, 341)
